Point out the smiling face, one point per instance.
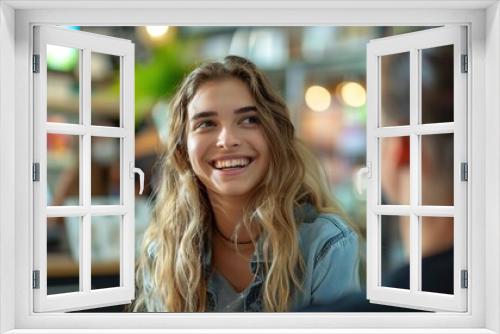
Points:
(225, 140)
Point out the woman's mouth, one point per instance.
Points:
(232, 166)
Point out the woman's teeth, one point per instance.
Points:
(222, 164)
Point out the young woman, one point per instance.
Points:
(243, 219)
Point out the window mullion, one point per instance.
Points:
(419, 129)
(415, 234)
(85, 246)
(127, 253)
(78, 129)
(420, 210)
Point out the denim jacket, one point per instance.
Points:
(330, 252)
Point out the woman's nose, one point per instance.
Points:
(228, 138)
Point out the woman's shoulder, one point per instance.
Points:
(330, 250)
(328, 223)
(323, 231)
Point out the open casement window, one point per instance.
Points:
(86, 216)
(417, 101)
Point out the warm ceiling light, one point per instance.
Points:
(318, 98)
(156, 31)
(353, 94)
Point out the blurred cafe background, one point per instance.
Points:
(320, 71)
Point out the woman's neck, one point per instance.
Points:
(228, 213)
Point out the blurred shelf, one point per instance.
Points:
(147, 143)
(62, 265)
(69, 105)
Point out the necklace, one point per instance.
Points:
(230, 243)
(229, 239)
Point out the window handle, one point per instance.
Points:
(361, 175)
(133, 171)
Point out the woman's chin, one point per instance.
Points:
(232, 192)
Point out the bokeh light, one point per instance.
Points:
(318, 98)
(353, 94)
(60, 58)
(156, 31)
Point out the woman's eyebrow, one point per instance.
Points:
(204, 114)
(245, 109)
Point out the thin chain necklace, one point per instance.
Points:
(230, 243)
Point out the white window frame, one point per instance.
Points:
(412, 44)
(16, 19)
(86, 43)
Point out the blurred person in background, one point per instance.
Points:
(243, 219)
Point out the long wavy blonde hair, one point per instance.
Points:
(170, 274)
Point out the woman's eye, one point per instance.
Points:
(204, 124)
(251, 120)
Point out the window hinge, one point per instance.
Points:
(36, 63)
(464, 279)
(36, 171)
(36, 279)
(464, 171)
(465, 66)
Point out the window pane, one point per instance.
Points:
(437, 169)
(395, 251)
(395, 239)
(106, 245)
(63, 246)
(395, 170)
(105, 176)
(63, 84)
(105, 89)
(395, 89)
(63, 183)
(437, 84)
(437, 254)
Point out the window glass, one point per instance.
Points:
(437, 171)
(105, 98)
(395, 170)
(395, 251)
(63, 84)
(437, 254)
(105, 167)
(395, 89)
(63, 247)
(63, 169)
(105, 249)
(437, 84)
